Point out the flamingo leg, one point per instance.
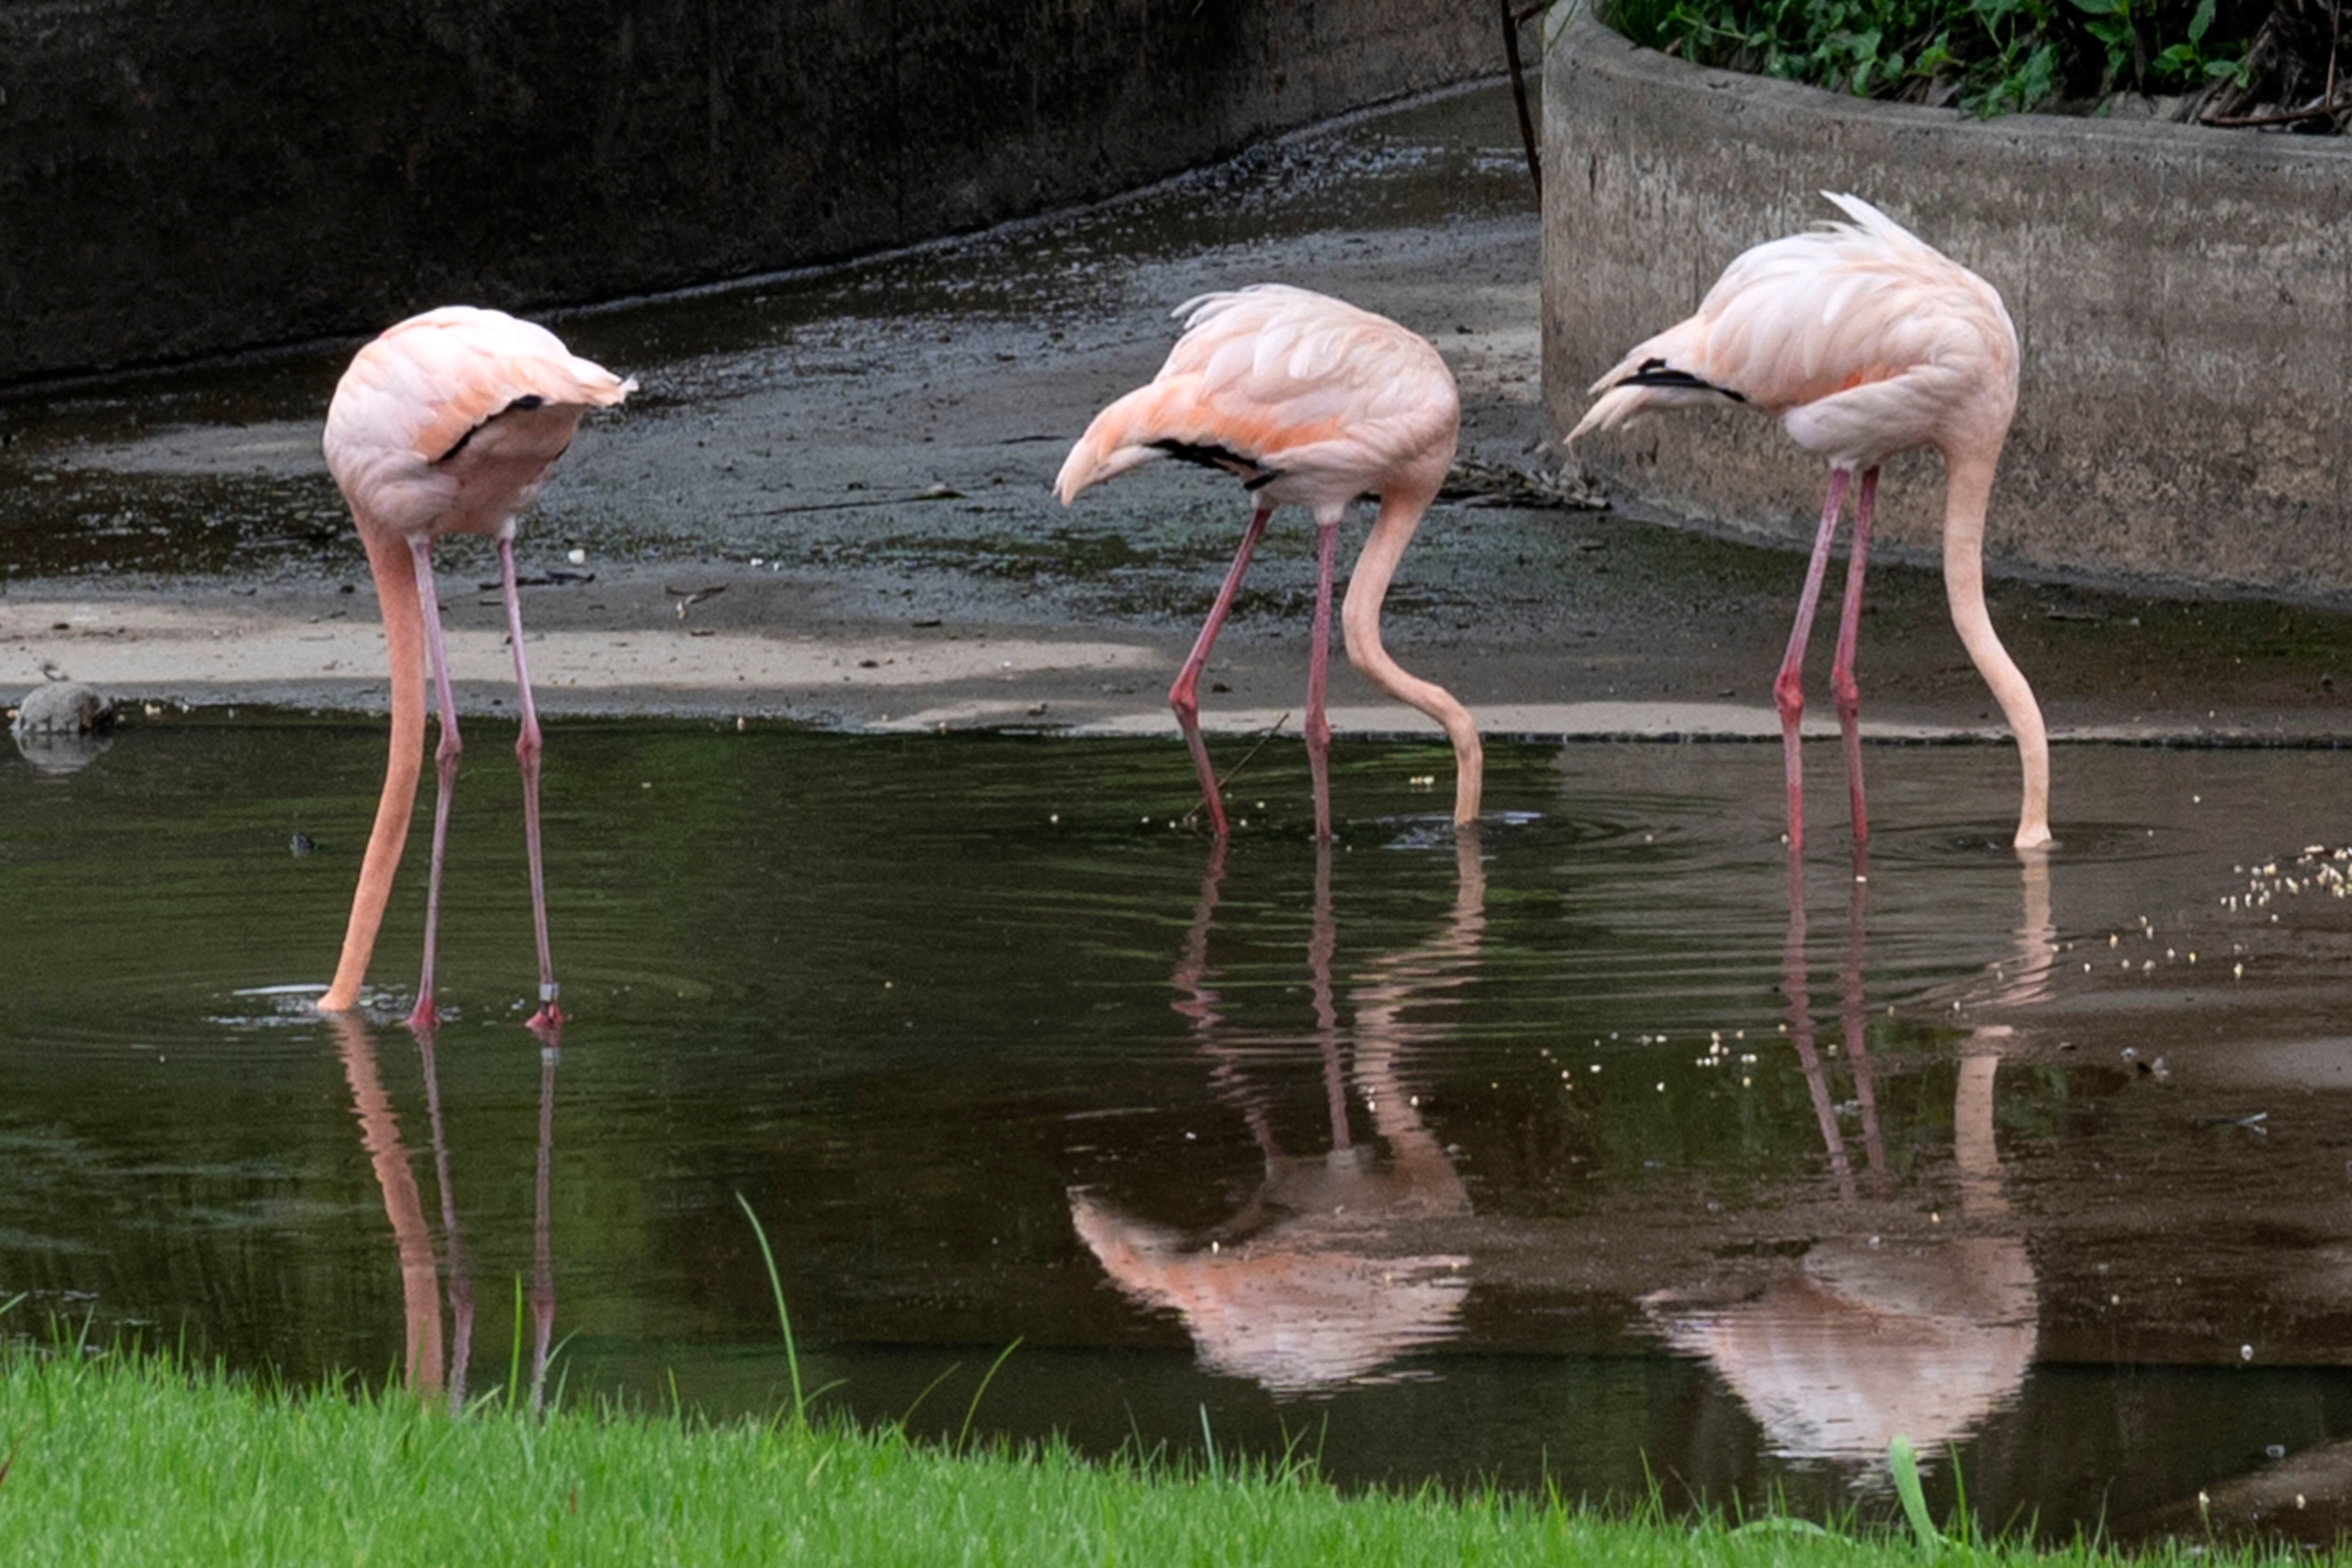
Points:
(1788, 689)
(527, 749)
(1841, 681)
(1317, 728)
(445, 771)
(1185, 695)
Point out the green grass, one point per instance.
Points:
(137, 1459)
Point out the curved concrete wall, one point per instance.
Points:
(2183, 295)
(180, 176)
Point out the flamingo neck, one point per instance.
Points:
(1968, 491)
(1359, 616)
(394, 570)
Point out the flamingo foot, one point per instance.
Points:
(424, 1018)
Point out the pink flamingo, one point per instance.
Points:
(1863, 342)
(447, 424)
(1307, 400)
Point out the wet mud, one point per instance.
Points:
(854, 463)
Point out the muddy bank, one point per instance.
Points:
(859, 462)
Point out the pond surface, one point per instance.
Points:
(1568, 1149)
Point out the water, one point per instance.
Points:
(1565, 1152)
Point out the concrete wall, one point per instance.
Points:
(180, 176)
(2184, 297)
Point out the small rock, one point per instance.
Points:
(63, 708)
(63, 726)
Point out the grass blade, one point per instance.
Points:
(514, 1355)
(1905, 1466)
(784, 1318)
(972, 1409)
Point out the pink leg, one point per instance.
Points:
(444, 778)
(1788, 689)
(1318, 664)
(1841, 681)
(1185, 695)
(526, 749)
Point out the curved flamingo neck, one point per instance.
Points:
(1968, 490)
(395, 569)
(1360, 615)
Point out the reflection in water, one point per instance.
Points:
(422, 1367)
(1315, 1281)
(62, 751)
(1869, 1336)
(461, 1278)
(380, 1132)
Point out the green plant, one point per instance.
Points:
(1987, 56)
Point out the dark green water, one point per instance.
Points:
(1289, 1144)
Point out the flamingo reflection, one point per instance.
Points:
(1318, 1280)
(425, 1369)
(1871, 1335)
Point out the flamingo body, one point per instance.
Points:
(1310, 402)
(1307, 398)
(447, 423)
(1863, 341)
